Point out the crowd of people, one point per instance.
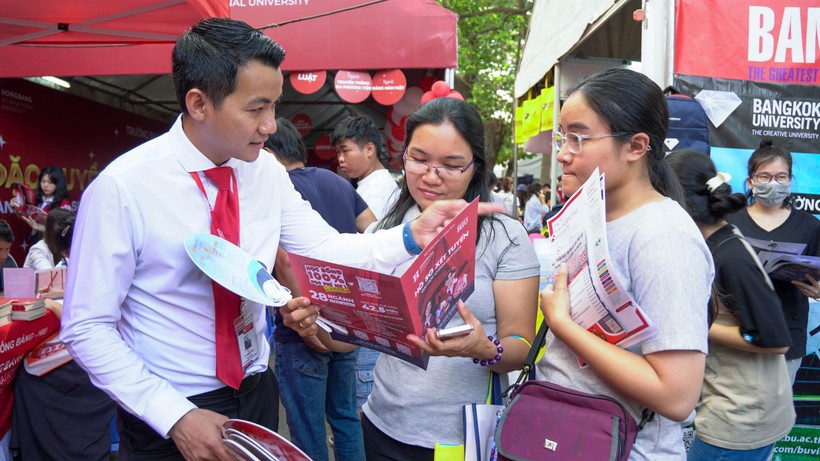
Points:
(153, 342)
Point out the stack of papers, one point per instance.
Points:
(27, 309)
(784, 261)
(5, 311)
(252, 442)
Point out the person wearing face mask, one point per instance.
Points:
(771, 217)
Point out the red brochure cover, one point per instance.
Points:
(377, 310)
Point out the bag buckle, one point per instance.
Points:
(550, 445)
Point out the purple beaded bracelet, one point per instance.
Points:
(497, 357)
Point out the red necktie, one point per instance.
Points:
(225, 224)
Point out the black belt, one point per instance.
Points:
(248, 384)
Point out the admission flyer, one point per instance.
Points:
(377, 310)
(785, 261)
(599, 302)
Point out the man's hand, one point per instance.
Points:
(439, 214)
(300, 315)
(198, 436)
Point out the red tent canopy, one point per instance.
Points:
(104, 37)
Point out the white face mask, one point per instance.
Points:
(771, 193)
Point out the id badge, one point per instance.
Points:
(245, 334)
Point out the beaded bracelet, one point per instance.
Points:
(497, 357)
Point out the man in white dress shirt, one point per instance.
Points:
(139, 315)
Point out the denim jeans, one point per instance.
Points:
(364, 374)
(702, 451)
(314, 386)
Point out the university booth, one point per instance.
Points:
(754, 66)
(374, 57)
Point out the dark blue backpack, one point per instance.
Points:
(688, 124)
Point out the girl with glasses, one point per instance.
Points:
(411, 409)
(771, 217)
(619, 120)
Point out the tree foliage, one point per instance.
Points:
(491, 37)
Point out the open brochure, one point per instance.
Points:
(377, 310)
(252, 442)
(578, 238)
(784, 261)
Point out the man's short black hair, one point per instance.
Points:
(209, 54)
(360, 129)
(6, 234)
(286, 143)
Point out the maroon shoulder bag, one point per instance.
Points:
(544, 421)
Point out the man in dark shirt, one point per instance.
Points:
(314, 384)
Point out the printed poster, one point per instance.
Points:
(377, 310)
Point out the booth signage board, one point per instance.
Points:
(769, 90)
(338, 34)
(389, 86)
(323, 149)
(41, 127)
(353, 86)
(308, 82)
(302, 123)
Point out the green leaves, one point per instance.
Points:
(491, 37)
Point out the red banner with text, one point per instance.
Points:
(755, 40)
(41, 127)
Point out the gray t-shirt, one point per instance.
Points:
(421, 407)
(660, 258)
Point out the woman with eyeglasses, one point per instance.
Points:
(616, 121)
(771, 218)
(411, 409)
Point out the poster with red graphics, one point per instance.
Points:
(760, 83)
(378, 311)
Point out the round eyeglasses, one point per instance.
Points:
(443, 171)
(575, 141)
(765, 178)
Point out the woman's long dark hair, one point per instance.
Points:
(630, 102)
(57, 176)
(693, 170)
(467, 122)
(59, 231)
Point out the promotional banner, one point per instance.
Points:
(760, 82)
(743, 113)
(759, 40)
(754, 66)
(41, 127)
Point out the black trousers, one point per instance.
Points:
(379, 446)
(256, 400)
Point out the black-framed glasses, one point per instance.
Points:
(766, 178)
(575, 141)
(443, 171)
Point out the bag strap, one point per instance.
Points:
(537, 344)
(528, 371)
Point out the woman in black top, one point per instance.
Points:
(772, 219)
